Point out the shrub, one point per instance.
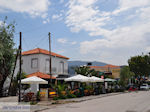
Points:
(55, 98)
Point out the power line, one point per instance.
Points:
(25, 43)
(31, 30)
(40, 41)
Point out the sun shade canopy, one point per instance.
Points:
(33, 80)
(78, 78)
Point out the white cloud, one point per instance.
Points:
(74, 42)
(66, 41)
(147, 49)
(32, 7)
(61, 1)
(125, 39)
(47, 20)
(84, 16)
(57, 17)
(62, 40)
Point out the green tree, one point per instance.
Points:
(6, 51)
(83, 70)
(125, 75)
(86, 71)
(140, 65)
(15, 84)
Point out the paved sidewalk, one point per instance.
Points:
(44, 105)
(9, 99)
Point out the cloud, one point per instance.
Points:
(32, 7)
(74, 42)
(46, 21)
(66, 41)
(61, 1)
(62, 40)
(123, 31)
(129, 4)
(57, 17)
(85, 16)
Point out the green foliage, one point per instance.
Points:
(125, 75)
(69, 95)
(14, 87)
(86, 71)
(6, 50)
(88, 87)
(60, 88)
(55, 98)
(140, 65)
(38, 96)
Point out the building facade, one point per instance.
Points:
(38, 60)
(111, 70)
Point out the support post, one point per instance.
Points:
(20, 62)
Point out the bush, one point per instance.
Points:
(62, 97)
(38, 96)
(71, 96)
(55, 98)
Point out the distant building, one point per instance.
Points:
(37, 61)
(110, 70)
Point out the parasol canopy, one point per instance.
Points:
(78, 78)
(33, 80)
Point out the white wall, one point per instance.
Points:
(26, 66)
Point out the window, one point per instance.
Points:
(62, 67)
(47, 66)
(54, 69)
(34, 63)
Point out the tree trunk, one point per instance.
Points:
(1, 88)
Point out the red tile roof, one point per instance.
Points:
(111, 66)
(42, 51)
(106, 66)
(41, 75)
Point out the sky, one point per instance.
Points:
(109, 31)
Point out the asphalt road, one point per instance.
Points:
(128, 102)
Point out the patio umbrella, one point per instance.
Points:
(78, 78)
(95, 79)
(33, 80)
(109, 80)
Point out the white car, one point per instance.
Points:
(144, 87)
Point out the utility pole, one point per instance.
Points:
(50, 62)
(50, 56)
(20, 62)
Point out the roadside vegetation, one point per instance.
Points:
(7, 51)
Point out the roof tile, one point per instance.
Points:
(41, 75)
(42, 51)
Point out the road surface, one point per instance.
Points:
(128, 102)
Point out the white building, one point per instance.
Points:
(37, 60)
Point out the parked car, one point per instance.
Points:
(132, 88)
(144, 87)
